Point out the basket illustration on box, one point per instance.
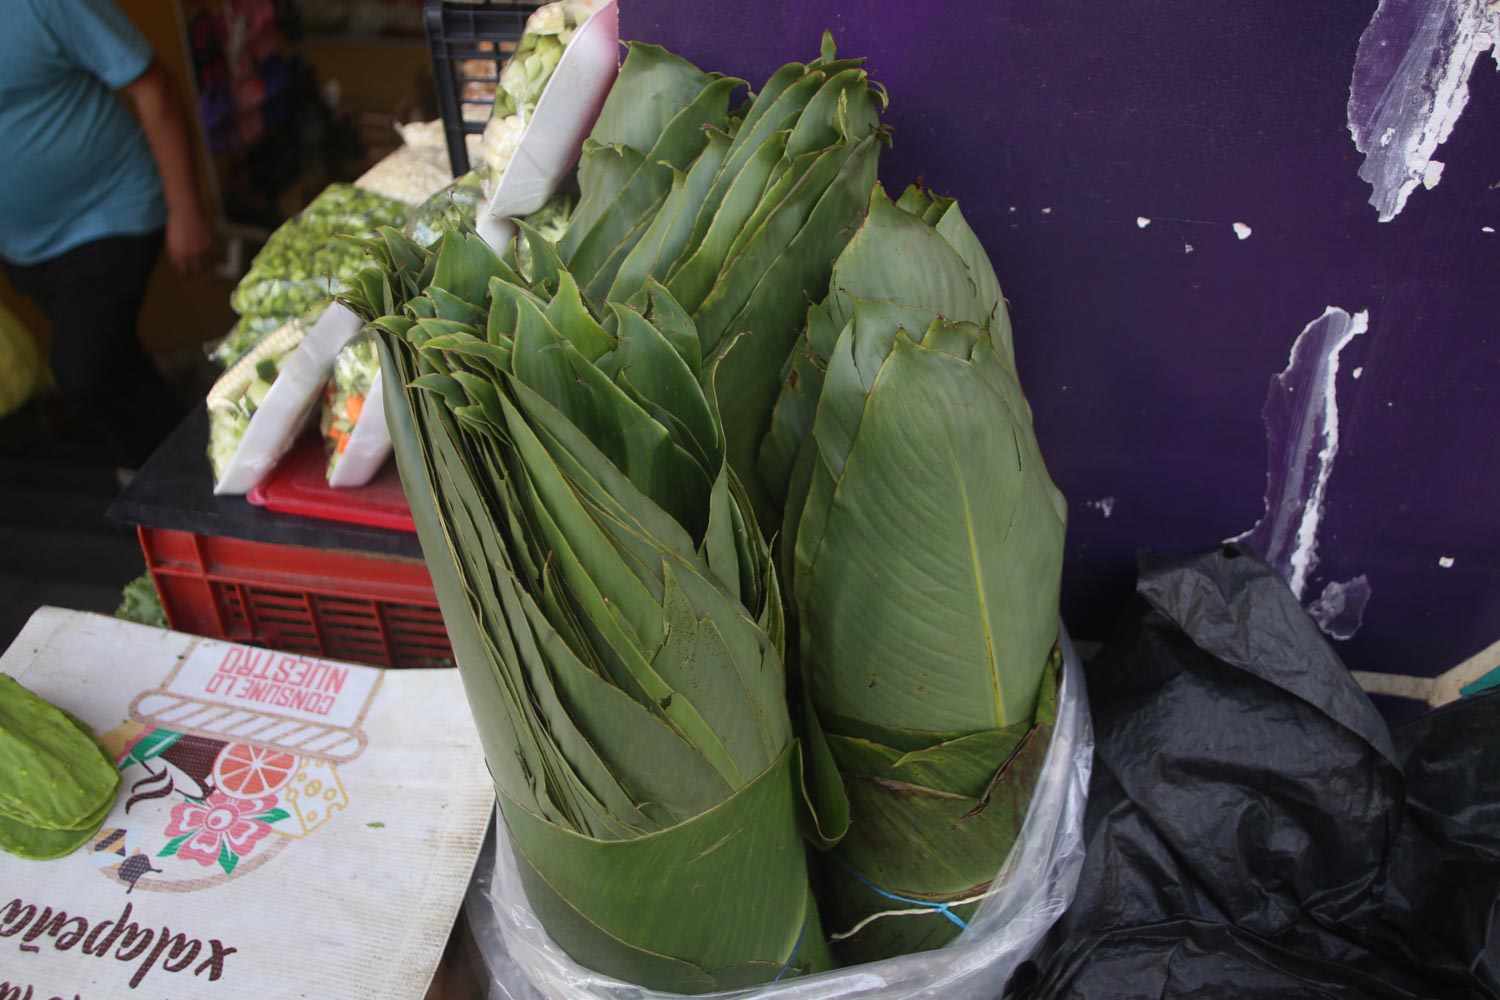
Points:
(231, 760)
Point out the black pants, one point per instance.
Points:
(93, 295)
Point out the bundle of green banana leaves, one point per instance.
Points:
(597, 446)
(923, 538)
(613, 610)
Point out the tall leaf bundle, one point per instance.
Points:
(923, 538)
(613, 609)
(739, 218)
(596, 444)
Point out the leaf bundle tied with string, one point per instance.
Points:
(923, 539)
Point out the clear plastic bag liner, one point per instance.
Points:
(1032, 890)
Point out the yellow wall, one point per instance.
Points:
(375, 75)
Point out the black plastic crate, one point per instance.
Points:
(470, 33)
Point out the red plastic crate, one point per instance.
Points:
(340, 605)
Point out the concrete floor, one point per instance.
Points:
(55, 545)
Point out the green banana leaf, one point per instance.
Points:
(955, 633)
(895, 257)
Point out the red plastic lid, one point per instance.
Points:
(300, 486)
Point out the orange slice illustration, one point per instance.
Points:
(243, 771)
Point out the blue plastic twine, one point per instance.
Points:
(795, 948)
(936, 907)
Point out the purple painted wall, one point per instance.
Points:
(1058, 123)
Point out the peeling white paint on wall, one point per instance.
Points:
(1446, 562)
(1187, 248)
(1142, 222)
(1242, 231)
(1340, 609)
(1046, 211)
(1486, 229)
(1302, 439)
(1410, 85)
(1358, 373)
(1104, 505)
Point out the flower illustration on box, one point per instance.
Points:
(231, 760)
(220, 830)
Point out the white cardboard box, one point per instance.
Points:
(286, 826)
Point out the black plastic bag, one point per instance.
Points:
(1255, 830)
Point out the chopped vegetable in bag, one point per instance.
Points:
(525, 76)
(354, 374)
(411, 174)
(550, 223)
(239, 392)
(457, 204)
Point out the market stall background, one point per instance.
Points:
(55, 481)
(1171, 202)
(1170, 198)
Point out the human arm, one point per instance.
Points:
(154, 98)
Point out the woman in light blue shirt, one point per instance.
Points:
(97, 177)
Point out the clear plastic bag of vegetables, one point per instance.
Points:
(304, 264)
(525, 75)
(550, 223)
(239, 392)
(353, 418)
(457, 204)
(260, 405)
